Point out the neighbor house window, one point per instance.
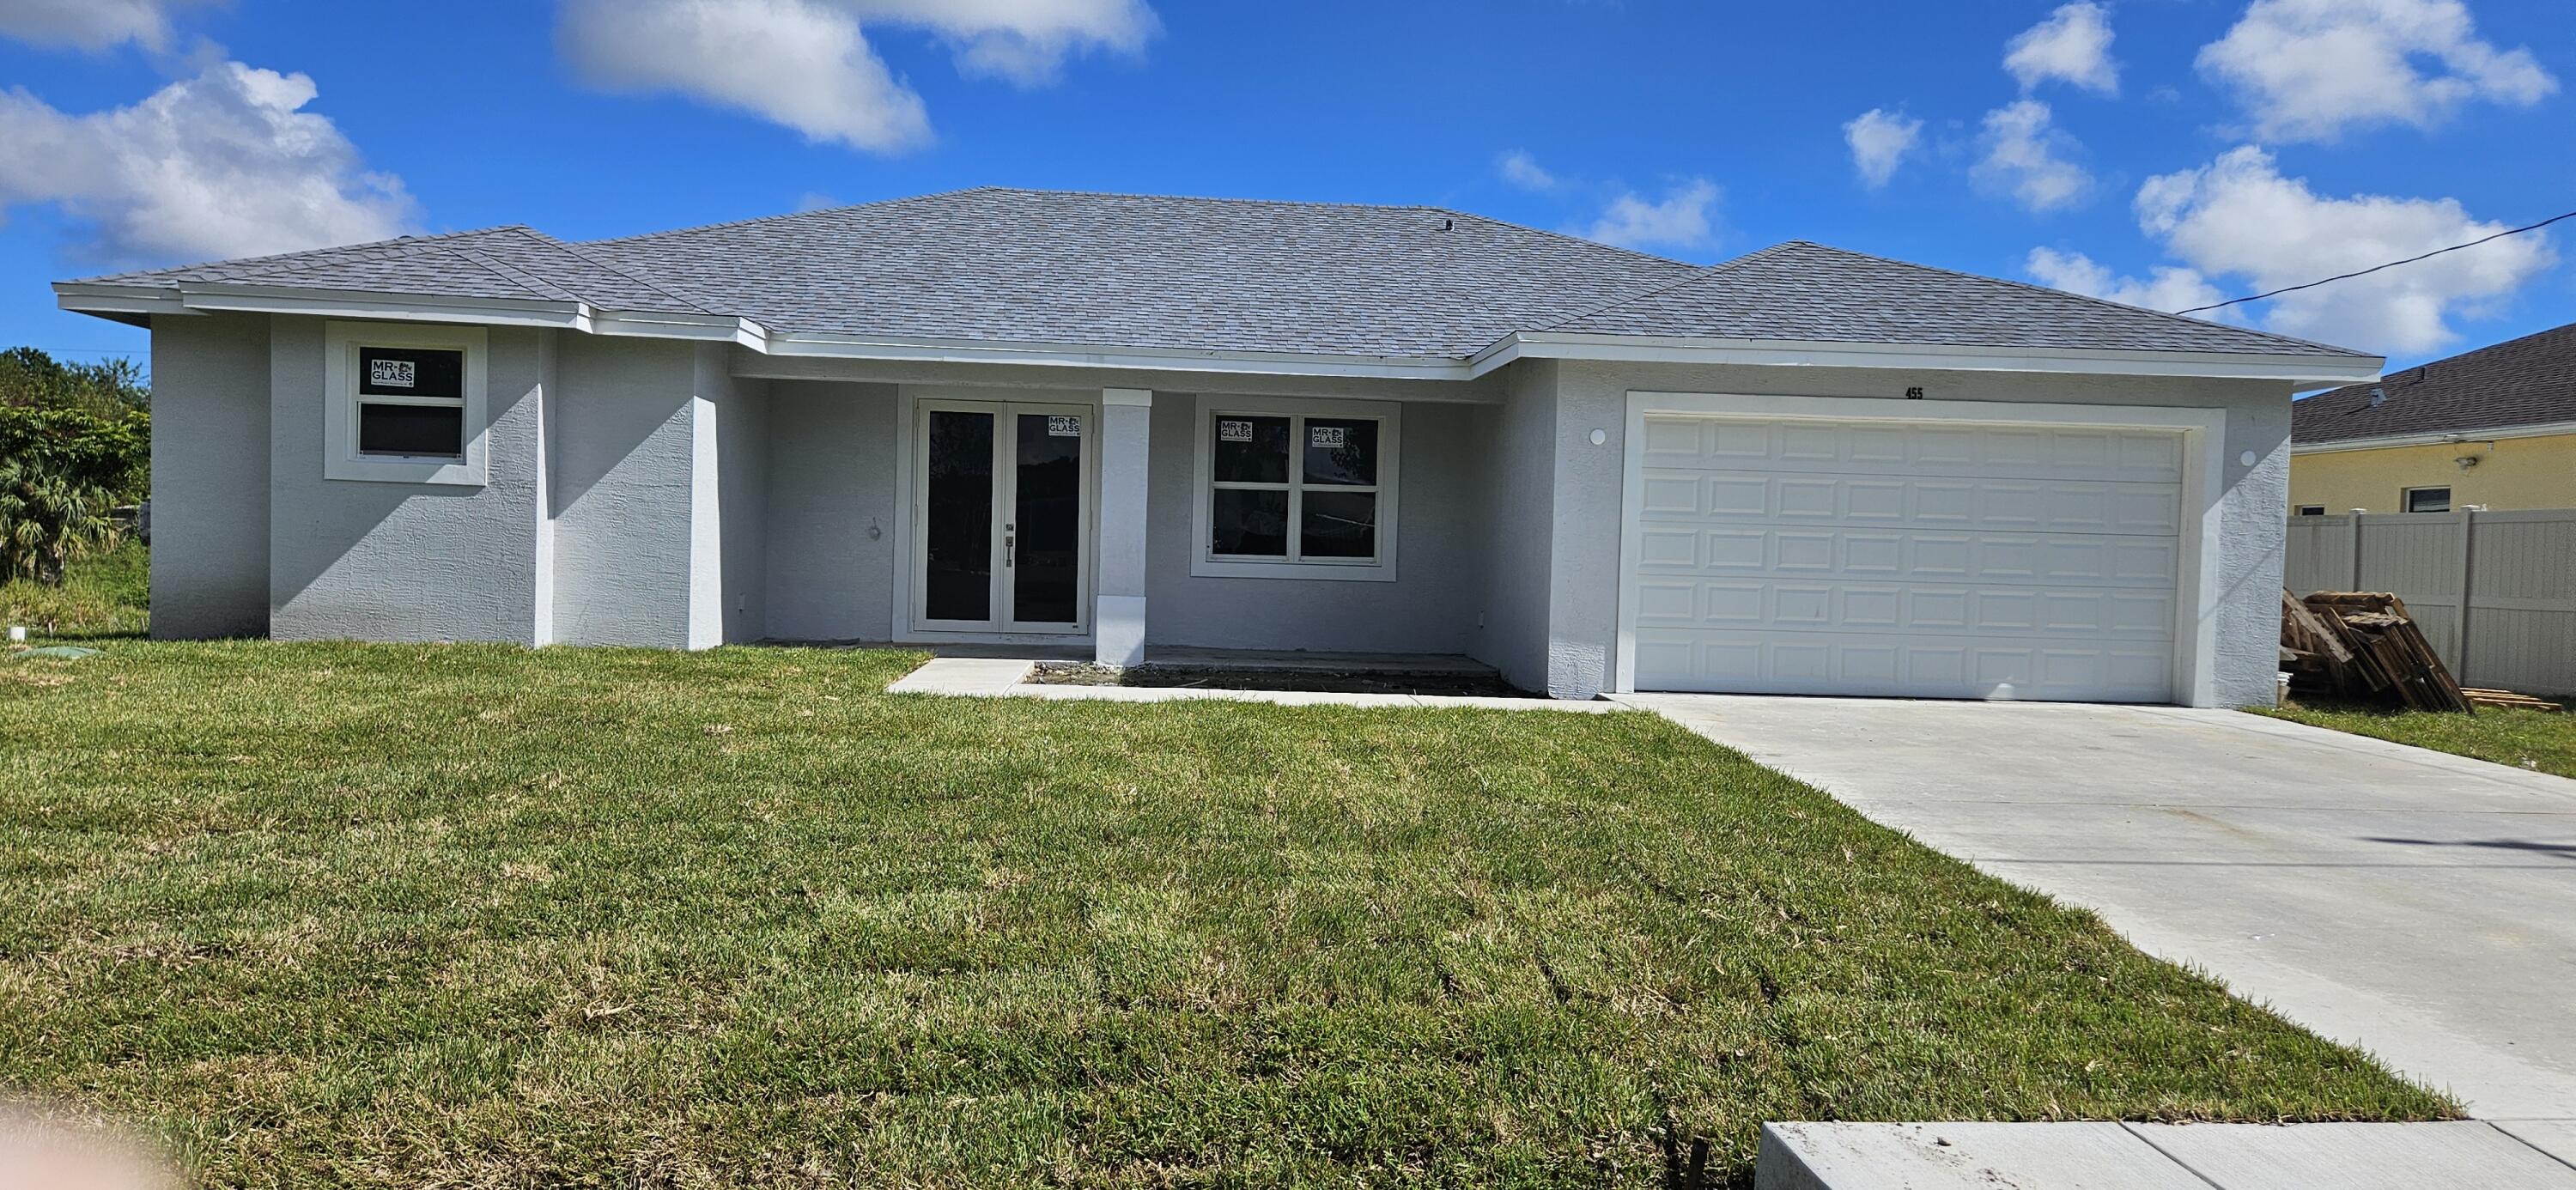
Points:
(2428, 499)
(2312, 510)
(404, 403)
(1295, 489)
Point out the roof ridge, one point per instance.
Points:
(1209, 198)
(511, 273)
(2082, 297)
(695, 304)
(396, 241)
(1694, 276)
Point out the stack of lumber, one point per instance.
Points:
(2362, 646)
(2507, 698)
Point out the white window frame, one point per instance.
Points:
(1206, 563)
(340, 401)
(2450, 499)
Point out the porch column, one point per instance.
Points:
(1118, 617)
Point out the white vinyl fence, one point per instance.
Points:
(2495, 592)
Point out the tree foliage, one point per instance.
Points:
(75, 441)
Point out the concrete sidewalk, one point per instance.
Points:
(1973, 1156)
(2419, 905)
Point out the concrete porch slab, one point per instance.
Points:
(964, 675)
(2075, 1156)
(999, 677)
(2554, 1137)
(1965, 1155)
(2358, 1156)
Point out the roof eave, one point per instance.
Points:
(136, 304)
(911, 349)
(2548, 429)
(2295, 369)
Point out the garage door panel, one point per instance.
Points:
(1753, 662)
(1941, 560)
(2055, 506)
(2137, 613)
(2001, 452)
(1673, 550)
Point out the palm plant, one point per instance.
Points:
(47, 520)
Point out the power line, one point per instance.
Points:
(2375, 268)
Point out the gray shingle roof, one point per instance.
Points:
(1197, 274)
(1804, 291)
(1137, 271)
(498, 262)
(2519, 382)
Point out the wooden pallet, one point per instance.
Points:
(2507, 698)
(2363, 646)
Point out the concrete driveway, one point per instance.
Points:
(2417, 904)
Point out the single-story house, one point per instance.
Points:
(1018, 417)
(2494, 428)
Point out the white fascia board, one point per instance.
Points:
(1143, 358)
(1924, 357)
(720, 328)
(81, 298)
(2548, 429)
(272, 299)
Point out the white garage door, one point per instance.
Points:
(1940, 560)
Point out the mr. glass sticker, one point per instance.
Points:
(1328, 437)
(1233, 431)
(1064, 427)
(391, 373)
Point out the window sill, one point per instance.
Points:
(467, 474)
(1373, 572)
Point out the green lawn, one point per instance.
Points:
(479, 916)
(2533, 740)
(103, 596)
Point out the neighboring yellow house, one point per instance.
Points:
(2495, 428)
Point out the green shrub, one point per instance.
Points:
(75, 441)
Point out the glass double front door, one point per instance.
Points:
(1002, 524)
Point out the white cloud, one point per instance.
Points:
(2073, 45)
(90, 24)
(2239, 217)
(1879, 141)
(223, 164)
(1025, 41)
(2310, 69)
(1682, 220)
(807, 64)
(2165, 287)
(1522, 170)
(2025, 156)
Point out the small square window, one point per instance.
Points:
(2312, 510)
(2428, 499)
(403, 404)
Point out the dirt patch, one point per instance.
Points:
(1168, 677)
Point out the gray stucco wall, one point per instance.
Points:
(625, 496)
(1433, 605)
(1518, 522)
(367, 560)
(831, 500)
(210, 402)
(1584, 599)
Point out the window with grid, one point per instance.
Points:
(1295, 488)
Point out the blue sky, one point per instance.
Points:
(2157, 151)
